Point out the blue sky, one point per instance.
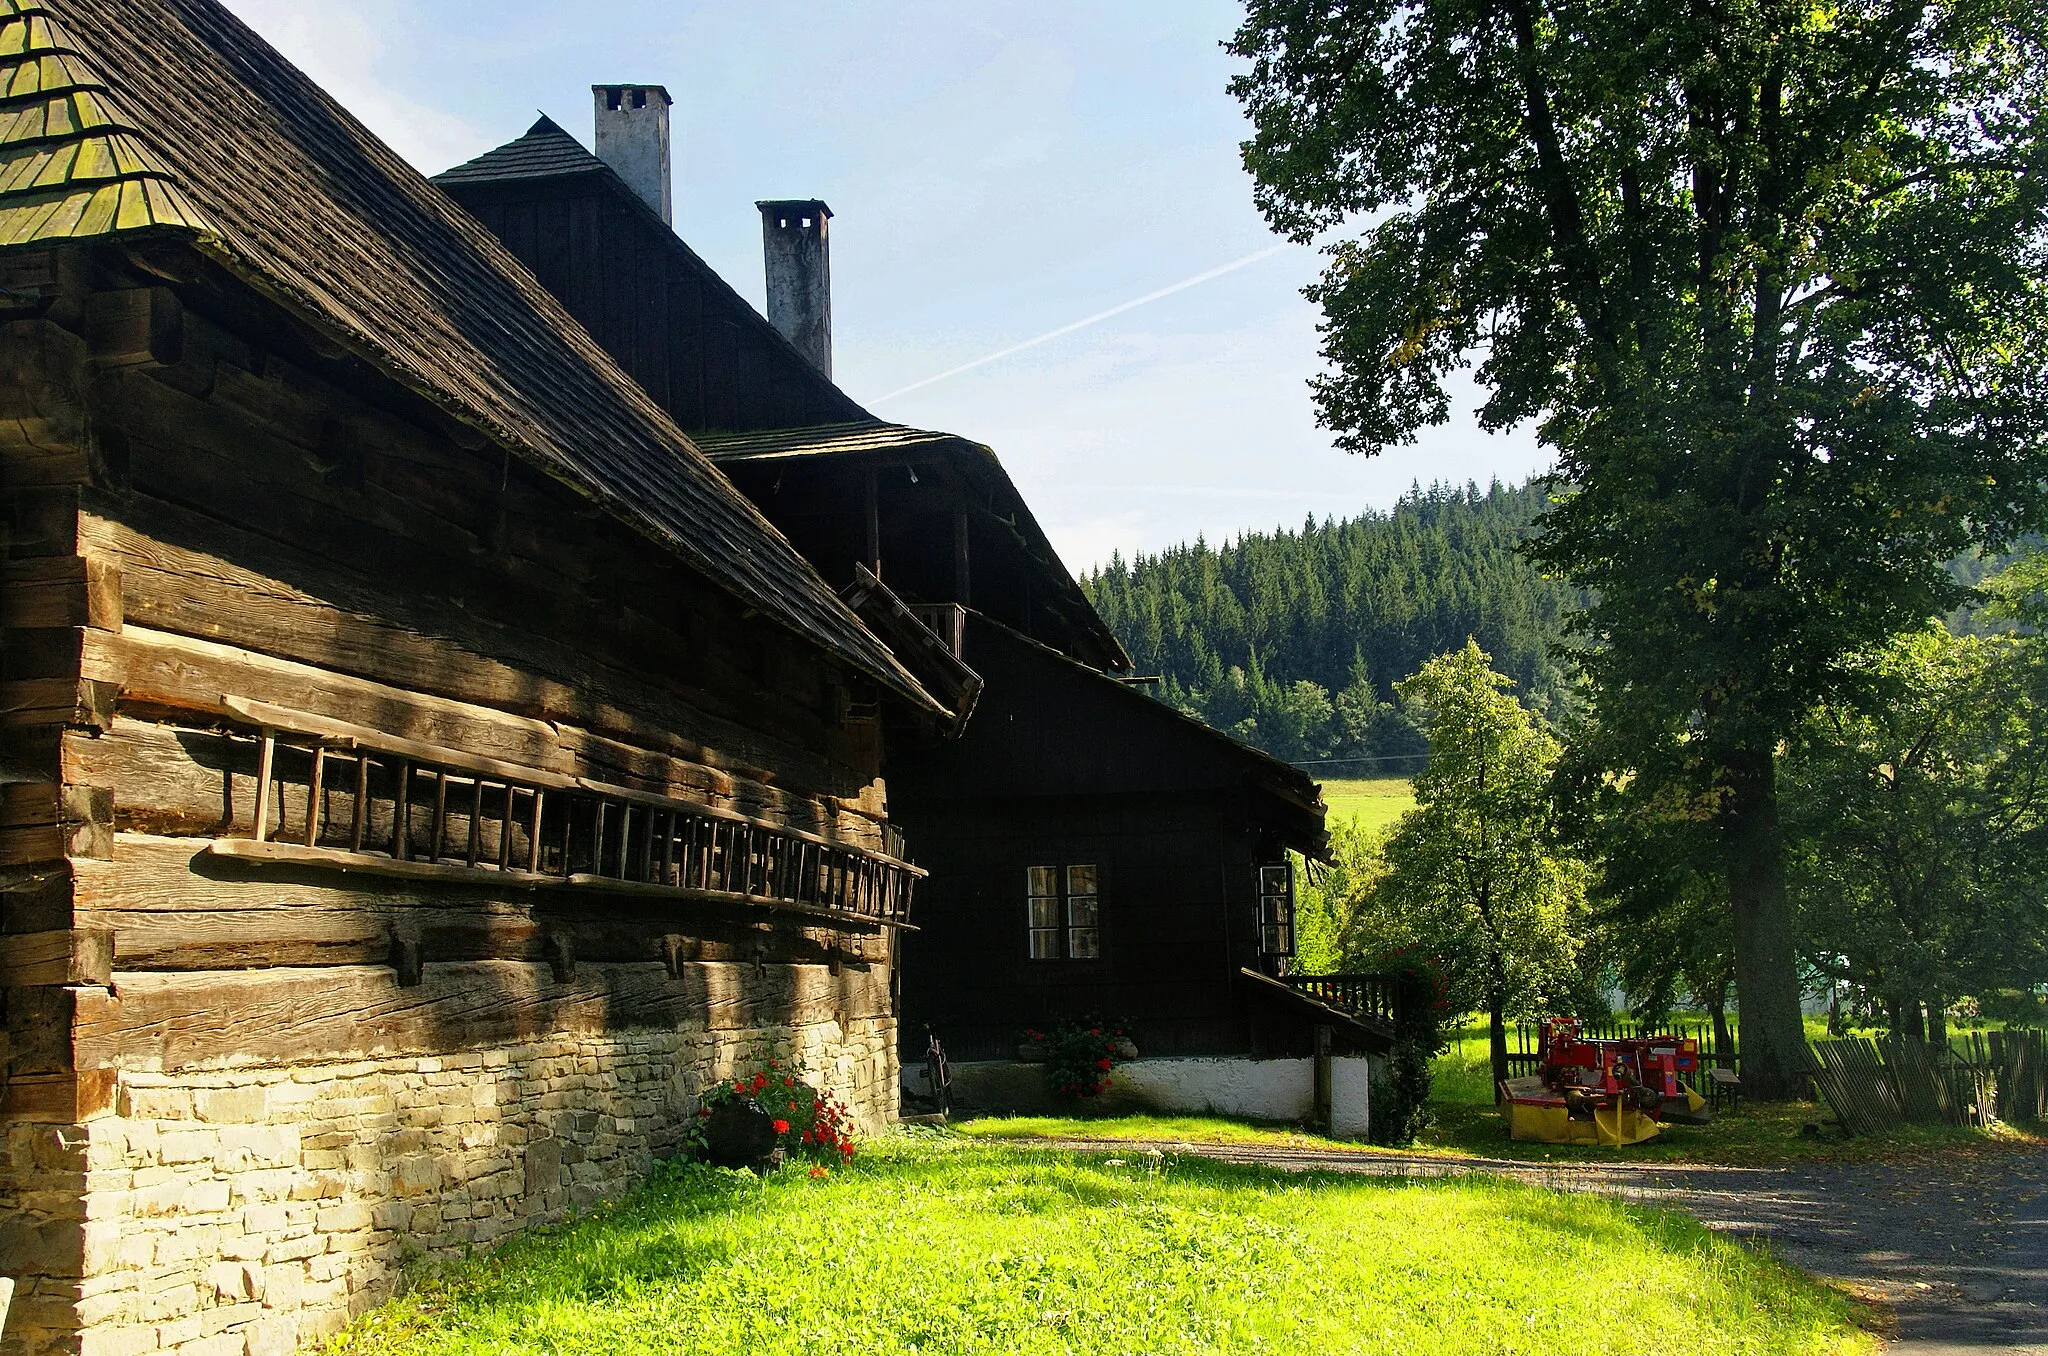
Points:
(996, 171)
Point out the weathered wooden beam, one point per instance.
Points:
(133, 325)
(71, 956)
(56, 591)
(57, 701)
(367, 864)
(60, 1098)
(169, 913)
(303, 1014)
(45, 434)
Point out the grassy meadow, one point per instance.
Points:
(1373, 802)
(932, 1244)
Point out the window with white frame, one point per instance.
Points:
(1276, 909)
(1063, 912)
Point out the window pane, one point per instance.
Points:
(1080, 880)
(1045, 913)
(1044, 880)
(1045, 944)
(1084, 943)
(1273, 942)
(1273, 880)
(1082, 913)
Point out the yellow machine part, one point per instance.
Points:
(1612, 1126)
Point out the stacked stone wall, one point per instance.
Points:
(251, 1211)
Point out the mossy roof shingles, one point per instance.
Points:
(170, 115)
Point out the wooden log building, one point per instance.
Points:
(1090, 849)
(420, 770)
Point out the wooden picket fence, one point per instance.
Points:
(1874, 1085)
(2021, 1061)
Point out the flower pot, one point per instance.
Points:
(739, 1134)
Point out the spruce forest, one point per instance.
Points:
(1293, 640)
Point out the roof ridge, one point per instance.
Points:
(72, 164)
(543, 150)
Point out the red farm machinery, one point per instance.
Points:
(1610, 1092)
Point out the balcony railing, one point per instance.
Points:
(1360, 995)
(947, 621)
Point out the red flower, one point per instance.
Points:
(739, 1089)
(703, 1111)
(819, 1172)
(1102, 1063)
(782, 1127)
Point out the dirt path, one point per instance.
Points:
(1959, 1245)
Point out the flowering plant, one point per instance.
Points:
(807, 1119)
(1079, 1056)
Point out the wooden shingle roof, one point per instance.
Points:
(171, 117)
(543, 152)
(875, 441)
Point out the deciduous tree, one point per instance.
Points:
(1473, 874)
(1771, 280)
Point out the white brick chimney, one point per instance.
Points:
(632, 137)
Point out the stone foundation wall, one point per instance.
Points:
(250, 1211)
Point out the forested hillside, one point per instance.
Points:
(1293, 639)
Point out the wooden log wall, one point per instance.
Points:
(202, 503)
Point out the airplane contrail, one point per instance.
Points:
(1097, 318)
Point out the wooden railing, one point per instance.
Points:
(947, 621)
(1361, 995)
(359, 800)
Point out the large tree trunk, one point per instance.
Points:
(1766, 964)
(1937, 1020)
(1717, 1008)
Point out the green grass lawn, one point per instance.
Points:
(1150, 1130)
(936, 1245)
(1375, 802)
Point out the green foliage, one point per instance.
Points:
(1918, 817)
(1079, 1056)
(1292, 640)
(1400, 1095)
(808, 1120)
(937, 1246)
(1473, 874)
(1769, 278)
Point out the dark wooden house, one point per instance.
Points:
(1091, 850)
(420, 769)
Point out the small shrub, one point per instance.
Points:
(1079, 1056)
(1400, 1096)
(808, 1120)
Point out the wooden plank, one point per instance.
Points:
(170, 673)
(501, 541)
(59, 1098)
(375, 865)
(348, 735)
(267, 1016)
(166, 913)
(56, 701)
(53, 591)
(70, 956)
(37, 843)
(126, 326)
(160, 670)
